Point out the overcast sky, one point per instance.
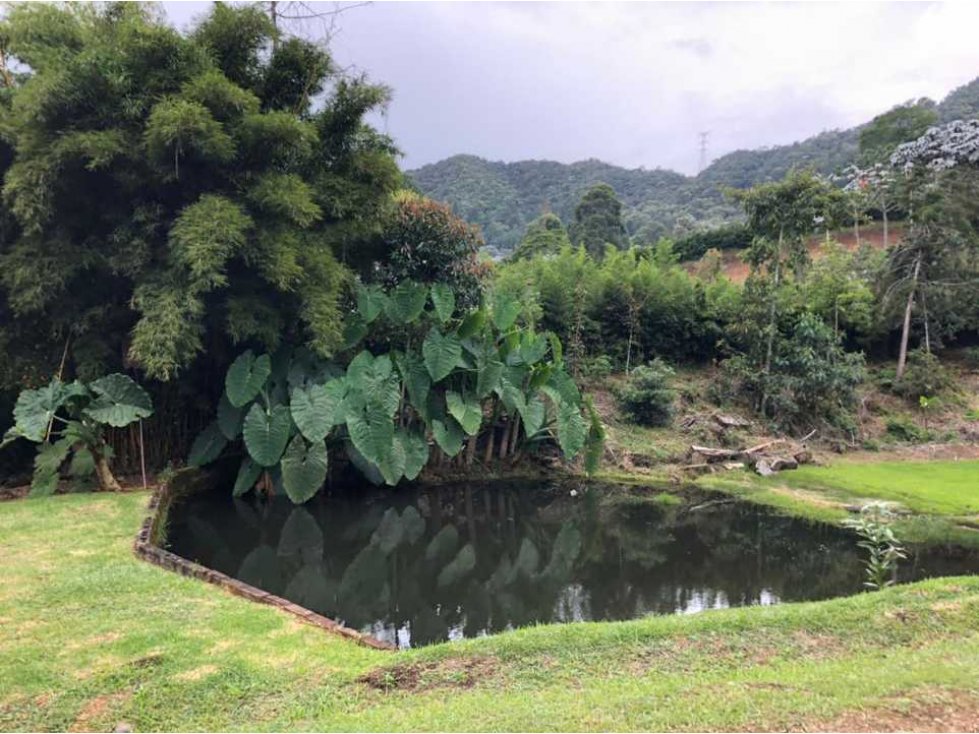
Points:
(634, 83)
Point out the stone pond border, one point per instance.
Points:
(148, 549)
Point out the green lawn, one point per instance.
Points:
(943, 496)
(90, 636)
(927, 487)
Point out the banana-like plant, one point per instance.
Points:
(67, 421)
(477, 377)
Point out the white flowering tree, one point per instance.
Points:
(938, 257)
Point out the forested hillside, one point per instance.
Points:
(503, 198)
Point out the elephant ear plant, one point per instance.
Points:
(68, 420)
(423, 384)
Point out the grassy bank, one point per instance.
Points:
(942, 497)
(89, 637)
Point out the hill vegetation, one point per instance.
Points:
(504, 198)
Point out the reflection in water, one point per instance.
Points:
(424, 565)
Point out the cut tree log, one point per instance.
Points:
(762, 446)
(715, 455)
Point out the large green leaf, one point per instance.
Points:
(207, 446)
(303, 469)
(248, 474)
(505, 312)
(473, 323)
(374, 380)
(562, 384)
(392, 464)
(119, 401)
(572, 430)
(266, 433)
(354, 332)
(442, 353)
(512, 396)
(35, 409)
(416, 453)
(416, 379)
(246, 377)
(229, 418)
(371, 431)
(466, 410)
(448, 435)
(533, 347)
(47, 462)
(532, 414)
(595, 441)
(370, 302)
(488, 376)
(406, 302)
(317, 408)
(444, 301)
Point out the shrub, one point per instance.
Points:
(647, 398)
(884, 550)
(812, 377)
(925, 375)
(904, 429)
(67, 421)
(596, 367)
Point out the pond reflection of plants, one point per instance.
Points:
(467, 560)
(418, 372)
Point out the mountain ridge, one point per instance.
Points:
(504, 197)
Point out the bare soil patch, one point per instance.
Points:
(928, 710)
(455, 672)
(96, 708)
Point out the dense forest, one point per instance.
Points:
(503, 198)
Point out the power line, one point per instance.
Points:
(704, 139)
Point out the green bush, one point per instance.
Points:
(972, 357)
(904, 429)
(924, 375)
(596, 367)
(647, 398)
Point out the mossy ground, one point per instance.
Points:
(90, 636)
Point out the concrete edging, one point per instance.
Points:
(146, 548)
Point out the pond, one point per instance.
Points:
(427, 564)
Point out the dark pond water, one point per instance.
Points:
(424, 565)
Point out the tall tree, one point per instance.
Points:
(938, 259)
(782, 215)
(424, 242)
(598, 221)
(168, 194)
(545, 235)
